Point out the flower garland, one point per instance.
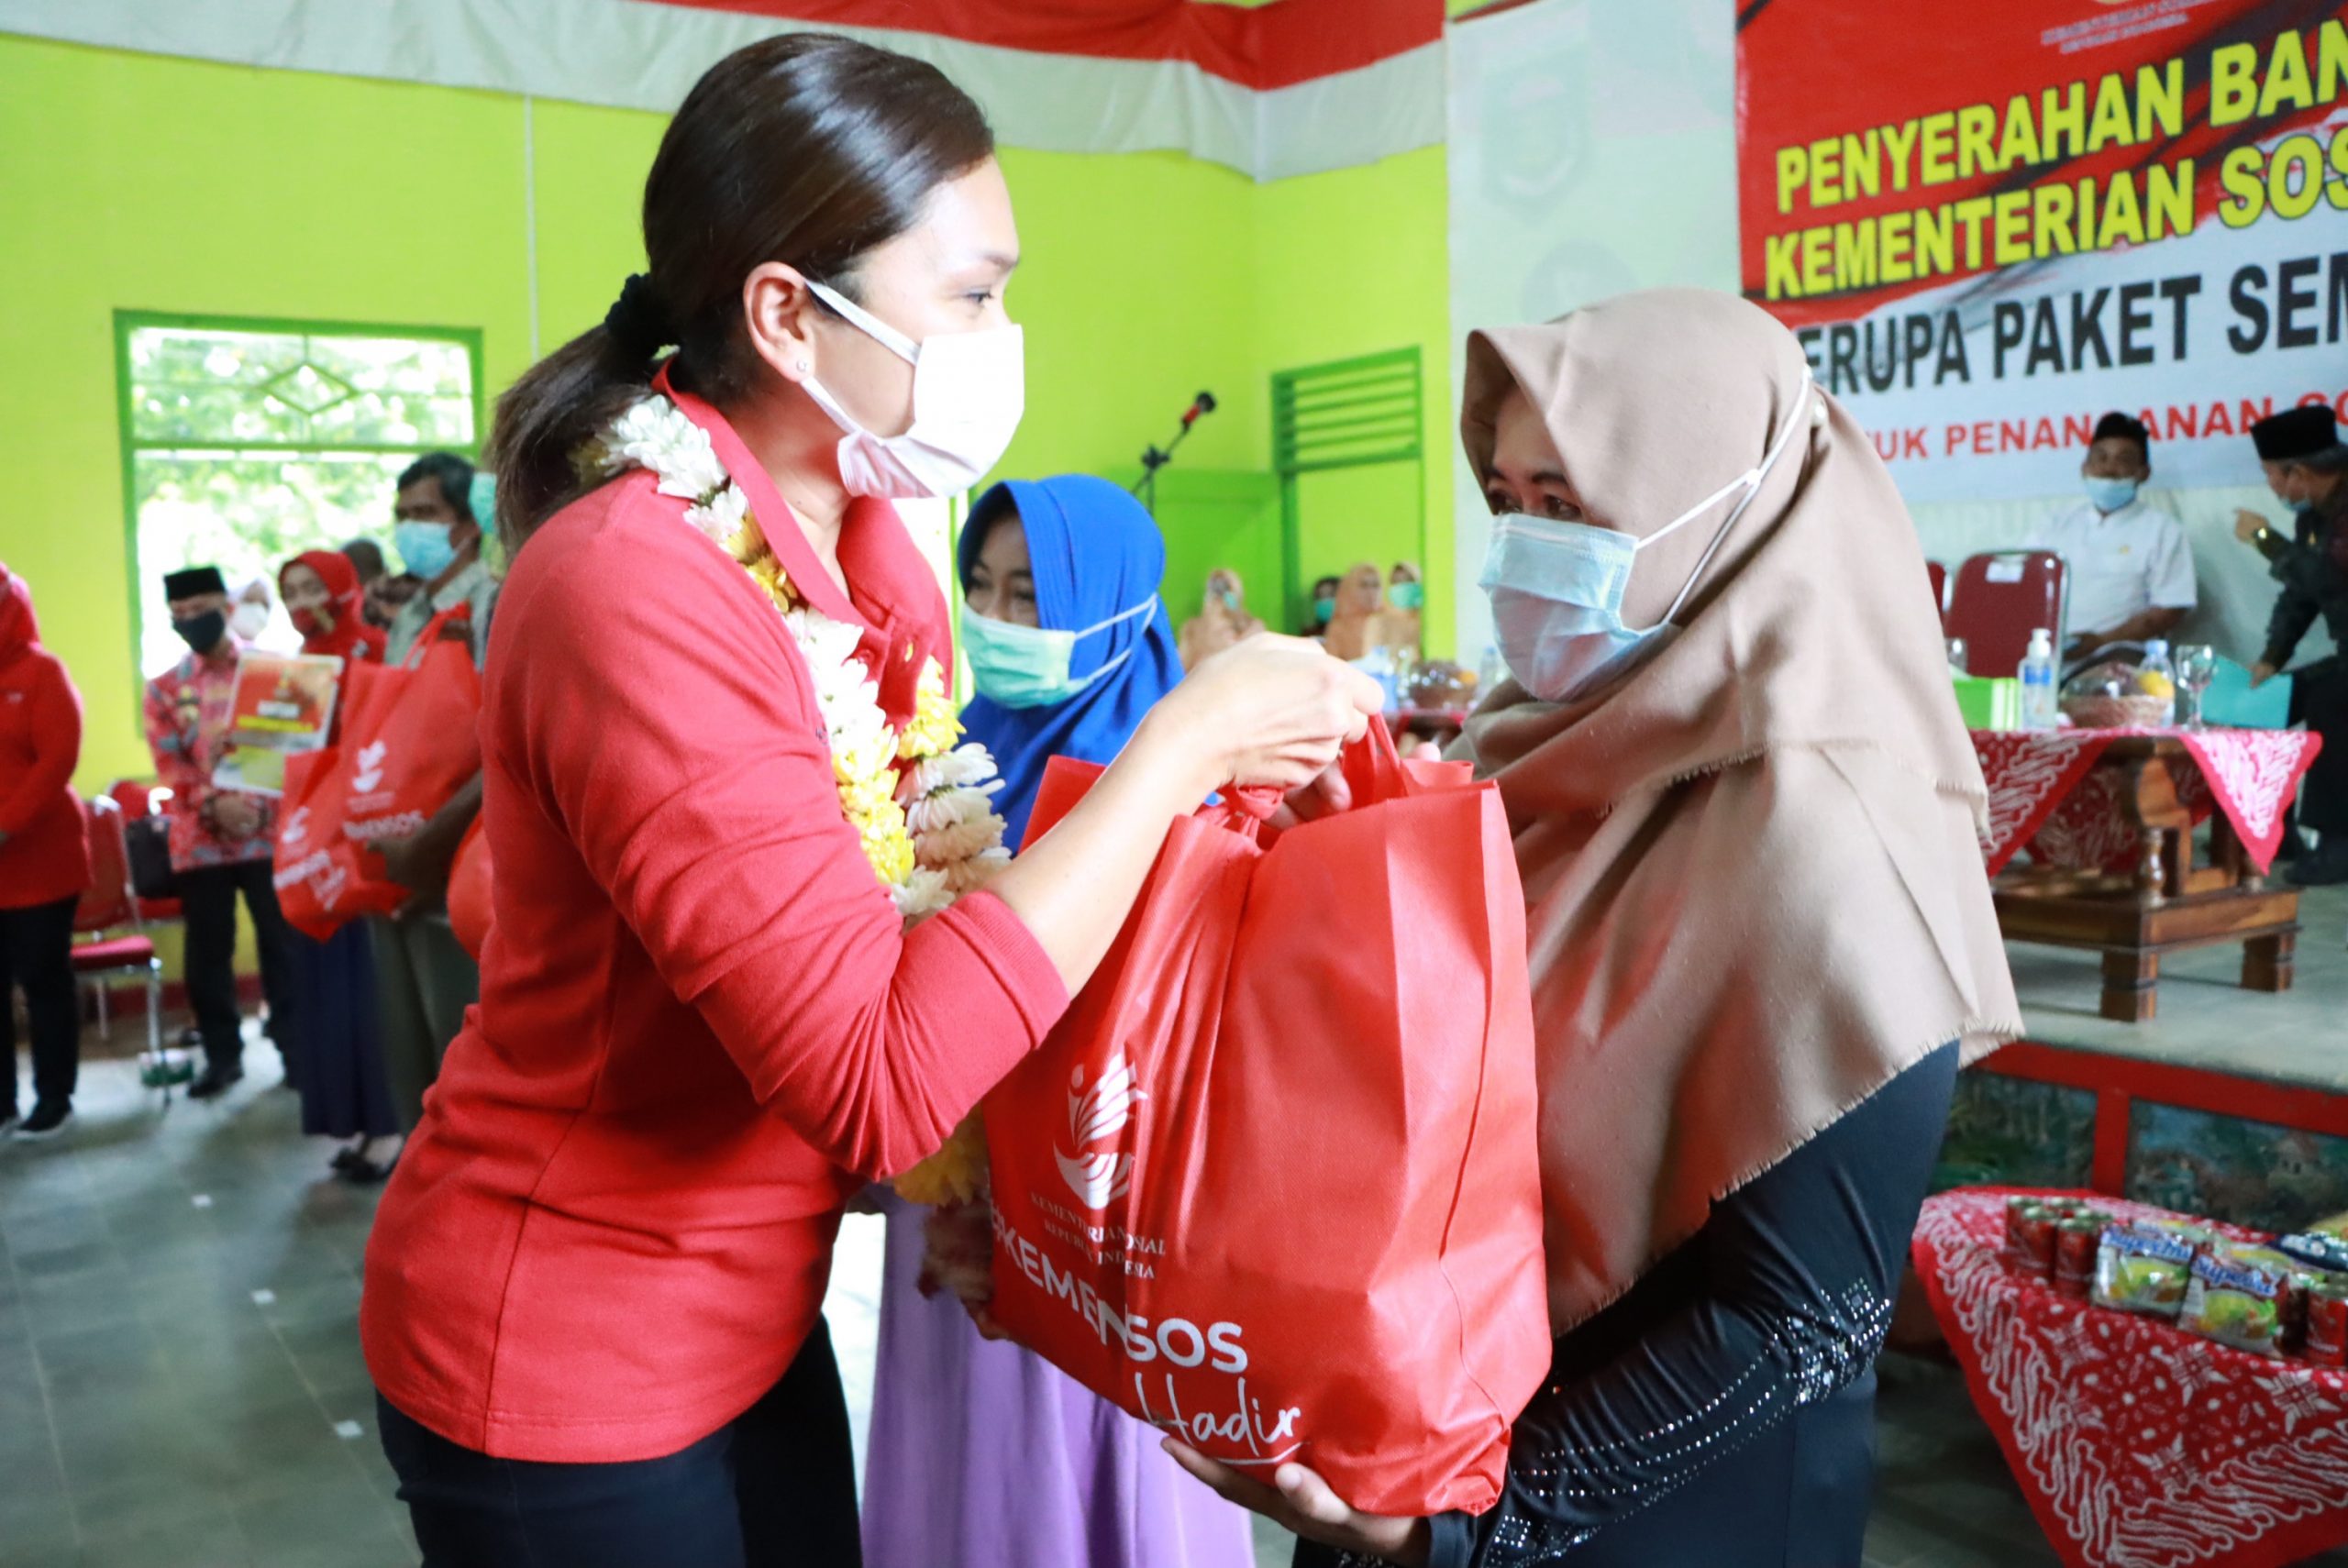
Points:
(922, 805)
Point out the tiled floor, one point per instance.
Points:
(181, 1385)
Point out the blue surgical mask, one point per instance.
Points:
(1407, 596)
(2109, 494)
(1557, 588)
(1027, 667)
(423, 547)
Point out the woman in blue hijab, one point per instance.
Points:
(982, 1455)
(1069, 644)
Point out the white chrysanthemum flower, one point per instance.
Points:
(924, 893)
(721, 518)
(678, 450)
(946, 846)
(968, 766)
(965, 875)
(947, 808)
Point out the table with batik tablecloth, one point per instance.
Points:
(2108, 818)
(2138, 1445)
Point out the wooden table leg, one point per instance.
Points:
(2266, 962)
(2130, 986)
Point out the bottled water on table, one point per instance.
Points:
(2156, 677)
(2038, 711)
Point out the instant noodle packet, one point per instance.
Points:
(2249, 1297)
(2146, 1265)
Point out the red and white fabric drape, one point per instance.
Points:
(1291, 87)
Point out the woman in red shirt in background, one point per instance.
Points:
(346, 1090)
(593, 1287)
(44, 861)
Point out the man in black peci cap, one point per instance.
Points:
(2306, 467)
(221, 839)
(2129, 572)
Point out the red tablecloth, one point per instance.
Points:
(2042, 789)
(2137, 1444)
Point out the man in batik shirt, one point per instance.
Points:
(221, 839)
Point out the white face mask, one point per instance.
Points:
(1557, 588)
(969, 388)
(249, 619)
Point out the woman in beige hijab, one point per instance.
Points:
(1744, 809)
(1361, 600)
(1221, 621)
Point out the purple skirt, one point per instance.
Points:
(984, 1456)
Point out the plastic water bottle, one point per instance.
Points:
(2038, 682)
(2156, 663)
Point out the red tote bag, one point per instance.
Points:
(410, 740)
(1272, 1184)
(324, 880)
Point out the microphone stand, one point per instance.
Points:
(1153, 457)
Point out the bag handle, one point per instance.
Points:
(430, 638)
(1374, 768)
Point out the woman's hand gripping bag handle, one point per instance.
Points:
(1272, 1184)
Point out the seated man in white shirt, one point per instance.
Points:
(2129, 572)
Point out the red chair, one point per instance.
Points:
(1997, 600)
(1939, 574)
(108, 906)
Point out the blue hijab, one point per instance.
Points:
(1095, 554)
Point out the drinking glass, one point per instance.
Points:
(2197, 667)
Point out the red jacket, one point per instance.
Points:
(700, 1027)
(47, 855)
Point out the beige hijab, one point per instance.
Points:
(1361, 601)
(1754, 890)
(1218, 624)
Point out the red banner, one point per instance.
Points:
(1998, 218)
(1268, 46)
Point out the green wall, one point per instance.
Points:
(1352, 262)
(144, 183)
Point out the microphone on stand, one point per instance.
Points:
(1153, 457)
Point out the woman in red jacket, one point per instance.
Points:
(723, 987)
(44, 861)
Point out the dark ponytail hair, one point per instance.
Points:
(807, 148)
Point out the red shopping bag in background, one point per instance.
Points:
(1272, 1184)
(324, 880)
(410, 741)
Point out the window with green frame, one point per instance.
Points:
(246, 442)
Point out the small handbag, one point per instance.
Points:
(148, 843)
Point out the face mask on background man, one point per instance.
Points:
(2109, 494)
(202, 632)
(423, 547)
